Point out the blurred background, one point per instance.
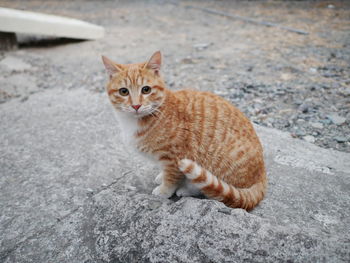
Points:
(285, 64)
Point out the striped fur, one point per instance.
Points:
(212, 187)
(205, 129)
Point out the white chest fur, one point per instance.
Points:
(128, 127)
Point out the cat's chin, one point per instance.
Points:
(137, 115)
(140, 115)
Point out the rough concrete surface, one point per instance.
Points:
(71, 193)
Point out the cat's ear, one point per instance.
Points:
(155, 62)
(111, 67)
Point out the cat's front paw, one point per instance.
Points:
(159, 178)
(163, 191)
(183, 192)
(187, 190)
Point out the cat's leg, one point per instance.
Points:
(171, 179)
(159, 178)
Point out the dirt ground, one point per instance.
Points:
(294, 82)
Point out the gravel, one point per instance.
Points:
(313, 121)
(309, 138)
(336, 119)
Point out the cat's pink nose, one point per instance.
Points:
(136, 107)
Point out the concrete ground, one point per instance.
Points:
(70, 192)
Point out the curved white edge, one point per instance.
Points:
(12, 20)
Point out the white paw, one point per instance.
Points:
(183, 191)
(163, 191)
(188, 190)
(159, 178)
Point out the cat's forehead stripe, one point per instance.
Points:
(139, 80)
(128, 79)
(133, 77)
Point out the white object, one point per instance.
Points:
(17, 21)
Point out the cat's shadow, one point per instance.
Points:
(176, 198)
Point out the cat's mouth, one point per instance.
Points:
(146, 110)
(142, 111)
(139, 114)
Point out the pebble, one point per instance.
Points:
(313, 70)
(336, 119)
(285, 123)
(270, 120)
(300, 133)
(280, 92)
(89, 190)
(304, 108)
(316, 125)
(300, 121)
(201, 46)
(298, 102)
(340, 139)
(309, 138)
(325, 121)
(345, 92)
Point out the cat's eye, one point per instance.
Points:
(146, 90)
(124, 91)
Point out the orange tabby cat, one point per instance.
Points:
(203, 142)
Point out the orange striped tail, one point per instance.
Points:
(215, 188)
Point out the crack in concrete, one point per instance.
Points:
(6, 253)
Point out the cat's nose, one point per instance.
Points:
(136, 107)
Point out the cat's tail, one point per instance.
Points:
(215, 188)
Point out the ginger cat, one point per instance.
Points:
(204, 143)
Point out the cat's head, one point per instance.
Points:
(136, 89)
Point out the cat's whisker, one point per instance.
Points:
(159, 111)
(152, 113)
